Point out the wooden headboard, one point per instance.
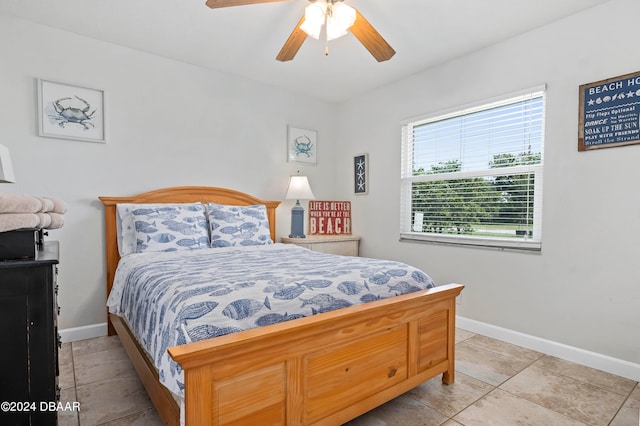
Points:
(178, 194)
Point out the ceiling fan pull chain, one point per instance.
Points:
(326, 33)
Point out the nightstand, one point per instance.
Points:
(345, 245)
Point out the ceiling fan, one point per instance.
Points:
(337, 18)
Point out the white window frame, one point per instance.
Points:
(407, 179)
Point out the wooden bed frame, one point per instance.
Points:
(319, 370)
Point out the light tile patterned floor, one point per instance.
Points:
(496, 383)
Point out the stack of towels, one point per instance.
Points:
(18, 211)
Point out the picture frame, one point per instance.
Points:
(302, 145)
(361, 174)
(609, 113)
(72, 112)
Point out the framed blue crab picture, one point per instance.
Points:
(70, 112)
(302, 145)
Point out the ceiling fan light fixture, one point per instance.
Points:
(314, 16)
(340, 18)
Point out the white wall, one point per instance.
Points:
(583, 289)
(168, 123)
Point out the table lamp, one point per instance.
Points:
(299, 189)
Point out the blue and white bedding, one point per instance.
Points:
(169, 299)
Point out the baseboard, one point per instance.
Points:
(84, 332)
(602, 362)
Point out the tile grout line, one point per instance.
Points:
(559, 374)
(95, 353)
(496, 387)
(542, 406)
(623, 404)
(580, 380)
(75, 384)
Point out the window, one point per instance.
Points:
(475, 176)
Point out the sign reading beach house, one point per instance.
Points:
(609, 113)
(329, 217)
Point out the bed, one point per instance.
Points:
(322, 369)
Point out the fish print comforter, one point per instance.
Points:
(170, 299)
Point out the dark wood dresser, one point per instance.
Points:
(29, 338)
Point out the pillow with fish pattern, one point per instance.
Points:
(238, 225)
(125, 229)
(170, 227)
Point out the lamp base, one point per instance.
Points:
(297, 221)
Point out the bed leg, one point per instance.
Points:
(448, 378)
(111, 331)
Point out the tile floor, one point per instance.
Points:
(496, 384)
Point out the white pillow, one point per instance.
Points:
(125, 227)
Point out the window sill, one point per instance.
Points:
(498, 243)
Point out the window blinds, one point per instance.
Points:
(474, 176)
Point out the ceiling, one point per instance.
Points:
(244, 40)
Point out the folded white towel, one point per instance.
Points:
(26, 211)
(11, 202)
(57, 220)
(13, 221)
(47, 205)
(45, 220)
(59, 206)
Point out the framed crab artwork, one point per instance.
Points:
(302, 145)
(70, 112)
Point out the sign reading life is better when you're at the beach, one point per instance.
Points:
(329, 217)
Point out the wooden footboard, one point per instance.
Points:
(324, 369)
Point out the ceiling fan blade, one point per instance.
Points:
(214, 4)
(371, 39)
(293, 43)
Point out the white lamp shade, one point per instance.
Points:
(6, 169)
(342, 18)
(299, 189)
(314, 19)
